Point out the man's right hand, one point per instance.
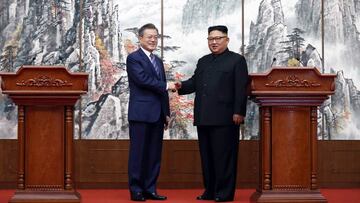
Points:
(171, 86)
(174, 86)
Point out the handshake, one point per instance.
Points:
(174, 86)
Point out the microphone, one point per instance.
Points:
(273, 61)
(33, 60)
(301, 64)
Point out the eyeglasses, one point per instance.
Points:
(155, 37)
(217, 39)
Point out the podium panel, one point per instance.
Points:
(291, 159)
(44, 147)
(45, 97)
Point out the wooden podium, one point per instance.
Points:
(288, 99)
(45, 97)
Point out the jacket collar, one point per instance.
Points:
(221, 54)
(142, 53)
(146, 52)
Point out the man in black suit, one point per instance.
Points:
(219, 82)
(148, 114)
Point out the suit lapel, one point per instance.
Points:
(161, 66)
(150, 65)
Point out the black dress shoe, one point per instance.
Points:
(154, 196)
(137, 196)
(218, 199)
(204, 197)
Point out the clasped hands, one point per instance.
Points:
(174, 86)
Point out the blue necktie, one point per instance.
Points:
(154, 63)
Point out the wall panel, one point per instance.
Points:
(103, 164)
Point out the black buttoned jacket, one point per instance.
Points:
(220, 86)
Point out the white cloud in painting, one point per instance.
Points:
(138, 13)
(194, 44)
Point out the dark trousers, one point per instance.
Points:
(219, 151)
(144, 155)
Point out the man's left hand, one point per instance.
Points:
(238, 119)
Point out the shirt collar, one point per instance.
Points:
(146, 52)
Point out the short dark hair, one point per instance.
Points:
(221, 28)
(147, 26)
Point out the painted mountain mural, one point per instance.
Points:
(97, 36)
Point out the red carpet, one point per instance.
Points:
(188, 196)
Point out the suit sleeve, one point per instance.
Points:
(241, 83)
(188, 86)
(137, 73)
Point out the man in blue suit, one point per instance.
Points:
(148, 115)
